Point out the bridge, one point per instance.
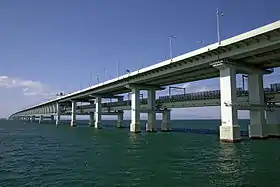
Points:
(254, 53)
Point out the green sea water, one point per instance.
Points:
(46, 155)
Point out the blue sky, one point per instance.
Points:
(50, 46)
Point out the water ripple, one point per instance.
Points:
(49, 156)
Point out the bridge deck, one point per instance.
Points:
(259, 49)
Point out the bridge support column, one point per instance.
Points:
(229, 130)
(165, 124)
(32, 120)
(120, 119)
(151, 125)
(257, 116)
(57, 122)
(73, 114)
(273, 123)
(41, 118)
(52, 118)
(135, 110)
(91, 119)
(98, 116)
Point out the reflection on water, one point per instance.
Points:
(228, 158)
(133, 138)
(229, 164)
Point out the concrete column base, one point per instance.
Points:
(165, 127)
(97, 125)
(91, 119)
(119, 124)
(135, 127)
(41, 119)
(257, 131)
(120, 119)
(32, 120)
(91, 124)
(52, 119)
(230, 133)
(57, 122)
(150, 127)
(273, 130)
(73, 124)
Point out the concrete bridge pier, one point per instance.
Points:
(165, 124)
(41, 118)
(257, 127)
(120, 119)
(52, 118)
(98, 115)
(273, 123)
(91, 119)
(151, 125)
(58, 110)
(73, 114)
(229, 129)
(32, 119)
(135, 110)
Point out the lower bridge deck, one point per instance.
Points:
(199, 99)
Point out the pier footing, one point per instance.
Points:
(273, 130)
(230, 133)
(257, 131)
(135, 128)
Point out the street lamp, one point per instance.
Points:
(90, 79)
(170, 46)
(218, 25)
(97, 78)
(118, 69)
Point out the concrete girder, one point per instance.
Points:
(245, 68)
(144, 86)
(106, 96)
(188, 77)
(263, 57)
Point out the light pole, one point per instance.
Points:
(97, 78)
(218, 25)
(118, 70)
(90, 79)
(170, 46)
(105, 74)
